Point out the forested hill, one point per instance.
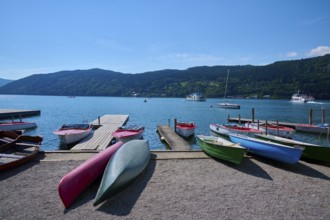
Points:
(279, 80)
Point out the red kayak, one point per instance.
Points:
(77, 180)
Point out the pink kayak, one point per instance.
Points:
(77, 180)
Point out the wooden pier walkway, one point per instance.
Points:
(245, 120)
(174, 140)
(102, 136)
(16, 113)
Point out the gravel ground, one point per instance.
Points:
(177, 189)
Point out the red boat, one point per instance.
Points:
(185, 129)
(128, 133)
(76, 181)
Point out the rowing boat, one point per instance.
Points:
(275, 151)
(221, 148)
(77, 180)
(123, 168)
(7, 139)
(73, 133)
(24, 150)
(225, 130)
(311, 151)
(185, 129)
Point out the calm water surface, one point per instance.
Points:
(58, 110)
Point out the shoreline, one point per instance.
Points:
(176, 189)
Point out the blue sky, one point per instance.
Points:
(44, 36)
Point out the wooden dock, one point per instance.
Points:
(245, 120)
(16, 113)
(102, 136)
(173, 140)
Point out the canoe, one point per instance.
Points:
(73, 133)
(221, 148)
(273, 129)
(24, 150)
(19, 125)
(7, 139)
(318, 129)
(77, 180)
(125, 165)
(218, 129)
(185, 129)
(128, 133)
(271, 150)
(311, 151)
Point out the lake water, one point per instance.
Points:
(58, 110)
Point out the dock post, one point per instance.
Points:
(253, 115)
(266, 127)
(278, 129)
(310, 116)
(169, 122)
(258, 124)
(99, 120)
(323, 115)
(175, 124)
(239, 119)
(228, 118)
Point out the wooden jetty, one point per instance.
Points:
(172, 139)
(102, 136)
(12, 113)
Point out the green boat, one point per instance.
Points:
(221, 148)
(123, 168)
(311, 151)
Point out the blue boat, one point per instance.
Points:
(275, 151)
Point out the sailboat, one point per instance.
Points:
(226, 104)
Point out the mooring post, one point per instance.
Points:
(99, 120)
(175, 124)
(253, 115)
(278, 129)
(266, 127)
(169, 122)
(239, 119)
(310, 116)
(228, 118)
(323, 115)
(258, 124)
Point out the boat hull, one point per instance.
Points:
(278, 152)
(13, 126)
(185, 129)
(229, 105)
(72, 135)
(311, 151)
(318, 129)
(221, 149)
(232, 129)
(128, 135)
(123, 168)
(77, 180)
(273, 129)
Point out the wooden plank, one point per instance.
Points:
(11, 113)
(174, 140)
(102, 136)
(245, 120)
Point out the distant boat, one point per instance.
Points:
(226, 104)
(197, 96)
(225, 130)
(185, 129)
(128, 133)
(14, 126)
(73, 133)
(123, 168)
(221, 148)
(311, 151)
(318, 129)
(268, 149)
(301, 98)
(273, 129)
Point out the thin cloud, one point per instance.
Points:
(291, 54)
(319, 51)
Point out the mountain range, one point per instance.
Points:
(278, 80)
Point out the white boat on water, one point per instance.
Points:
(185, 129)
(196, 96)
(72, 133)
(226, 104)
(301, 98)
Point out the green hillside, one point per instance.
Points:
(279, 80)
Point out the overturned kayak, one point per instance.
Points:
(125, 165)
(76, 181)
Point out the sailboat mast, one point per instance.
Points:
(226, 84)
